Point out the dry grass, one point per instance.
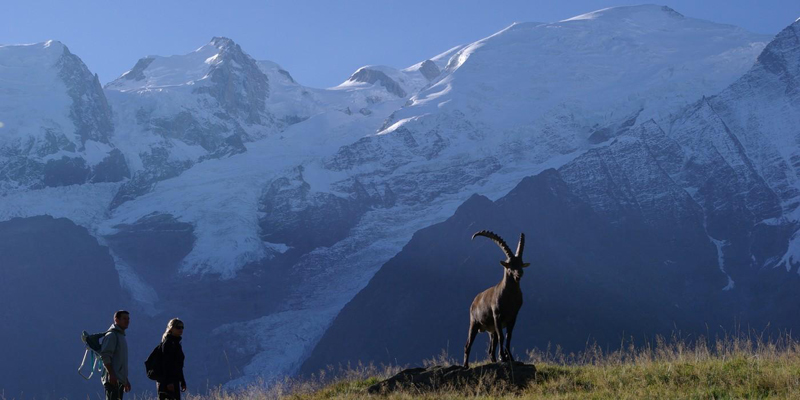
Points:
(734, 367)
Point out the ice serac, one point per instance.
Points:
(57, 127)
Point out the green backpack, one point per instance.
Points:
(93, 344)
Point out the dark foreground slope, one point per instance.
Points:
(589, 279)
(55, 281)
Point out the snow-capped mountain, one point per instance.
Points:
(695, 211)
(175, 111)
(57, 123)
(505, 107)
(283, 201)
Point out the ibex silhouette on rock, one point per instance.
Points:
(497, 307)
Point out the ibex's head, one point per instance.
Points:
(513, 262)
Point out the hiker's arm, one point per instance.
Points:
(106, 352)
(183, 380)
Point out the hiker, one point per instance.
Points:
(171, 382)
(114, 352)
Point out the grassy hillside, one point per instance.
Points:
(678, 368)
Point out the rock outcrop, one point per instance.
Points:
(487, 377)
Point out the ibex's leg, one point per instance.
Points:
(509, 329)
(473, 330)
(499, 332)
(493, 347)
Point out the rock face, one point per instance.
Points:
(157, 166)
(237, 84)
(487, 377)
(373, 76)
(324, 219)
(89, 110)
(429, 70)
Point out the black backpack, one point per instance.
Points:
(153, 365)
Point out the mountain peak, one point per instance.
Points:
(540, 58)
(221, 41)
(221, 47)
(782, 54)
(178, 70)
(639, 12)
(373, 74)
(53, 44)
(50, 48)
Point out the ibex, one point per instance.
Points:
(497, 307)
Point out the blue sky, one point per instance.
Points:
(320, 42)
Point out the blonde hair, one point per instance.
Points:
(170, 324)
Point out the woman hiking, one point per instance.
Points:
(171, 382)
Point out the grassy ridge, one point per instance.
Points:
(737, 367)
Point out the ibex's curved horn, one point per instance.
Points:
(497, 239)
(521, 245)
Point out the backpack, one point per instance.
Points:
(93, 344)
(153, 365)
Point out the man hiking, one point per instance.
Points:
(114, 351)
